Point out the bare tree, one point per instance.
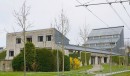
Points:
(62, 25)
(22, 21)
(84, 36)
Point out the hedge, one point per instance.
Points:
(118, 59)
(30, 58)
(2, 55)
(40, 59)
(88, 55)
(74, 55)
(18, 63)
(45, 60)
(67, 63)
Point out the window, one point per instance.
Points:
(18, 40)
(29, 39)
(112, 43)
(21, 49)
(115, 36)
(40, 38)
(48, 37)
(11, 53)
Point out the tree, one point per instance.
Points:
(18, 61)
(62, 25)
(22, 21)
(84, 36)
(30, 55)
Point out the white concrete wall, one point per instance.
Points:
(11, 40)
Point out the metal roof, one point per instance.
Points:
(80, 48)
(106, 31)
(102, 47)
(102, 40)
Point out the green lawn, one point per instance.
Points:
(78, 72)
(114, 68)
(122, 74)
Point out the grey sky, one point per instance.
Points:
(43, 12)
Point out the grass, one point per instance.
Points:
(122, 74)
(77, 72)
(114, 68)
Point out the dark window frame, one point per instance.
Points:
(48, 37)
(40, 39)
(11, 53)
(18, 40)
(29, 38)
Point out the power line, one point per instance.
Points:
(94, 14)
(125, 10)
(90, 1)
(118, 15)
(103, 3)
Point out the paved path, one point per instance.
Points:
(108, 74)
(94, 69)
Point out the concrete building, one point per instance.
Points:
(98, 42)
(40, 38)
(107, 39)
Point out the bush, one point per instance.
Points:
(2, 55)
(18, 62)
(74, 55)
(45, 60)
(88, 55)
(40, 59)
(74, 63)
(30, 55)
(118, 59)
(67, 63)
(60, 57)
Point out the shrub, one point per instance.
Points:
(60, 57)
(74, 63)
(30, 55)
(66, 63)
(18, 61)
(2, 55)
(88, 55)
(45, 60)
(74, 55)
(118, 59)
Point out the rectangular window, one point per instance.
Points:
(40, 38)
(48, 37)
(29, 39)
(112, 43)
(11, 53)
(18, 40)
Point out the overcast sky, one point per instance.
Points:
(43, 12)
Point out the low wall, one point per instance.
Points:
(6, 65)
